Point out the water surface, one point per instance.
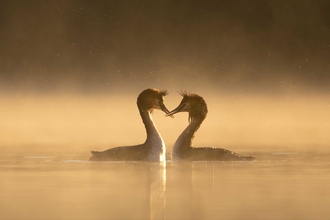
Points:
(280, 185)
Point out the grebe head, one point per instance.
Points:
(192, 103)
(151, 99)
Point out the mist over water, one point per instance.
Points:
(98, 122)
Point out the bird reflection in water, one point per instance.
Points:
(157, 198)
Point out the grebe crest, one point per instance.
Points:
(151, 99)
(192, 103)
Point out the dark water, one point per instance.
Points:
(280, 185)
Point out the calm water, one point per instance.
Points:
(281, 185)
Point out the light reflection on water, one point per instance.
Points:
(281, 185)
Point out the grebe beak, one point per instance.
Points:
(164, 109)
(178, 109)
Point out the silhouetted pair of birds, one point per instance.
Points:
(154, 149)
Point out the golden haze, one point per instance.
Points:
(97, 122)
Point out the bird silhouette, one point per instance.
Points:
(196, 106)
(153, 149)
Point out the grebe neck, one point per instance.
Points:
(187, 136)
(152, 132)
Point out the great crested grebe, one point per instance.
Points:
(182, 149)
(153, 149)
